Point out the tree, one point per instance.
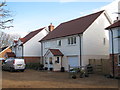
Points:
(4, 16)
(7, 39)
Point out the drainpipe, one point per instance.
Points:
(80, 47)
(112, 53)
(42, 52)
(22, 51)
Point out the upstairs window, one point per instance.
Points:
(71, 40)
(58, 42)
(104, 41)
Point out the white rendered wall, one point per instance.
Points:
(32, 48)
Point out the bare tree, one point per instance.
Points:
(4, 16)
(7, 39)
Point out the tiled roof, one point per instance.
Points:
(15, 41)
(73, 27)
(116, 24)
(10, 54)
(56, 52)
(30, 35)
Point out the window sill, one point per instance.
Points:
(71, 45)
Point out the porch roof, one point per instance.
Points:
(56, 52)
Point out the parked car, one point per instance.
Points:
(14, 64)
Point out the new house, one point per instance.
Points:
(74, 42)
(28, 47)
(114, 35)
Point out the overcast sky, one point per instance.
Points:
(29, 16)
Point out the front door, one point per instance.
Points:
(50, 63)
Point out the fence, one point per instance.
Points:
(100, 66)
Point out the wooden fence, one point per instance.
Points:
(100, 66)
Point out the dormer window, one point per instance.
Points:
(71, 40)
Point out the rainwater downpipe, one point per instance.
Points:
(112, 53)
(80, 48)
(42, 51)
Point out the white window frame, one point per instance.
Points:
(59, 42)
(104, 41)
(72, 40)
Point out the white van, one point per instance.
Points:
(13, 64)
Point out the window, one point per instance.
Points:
(50, 60)
(58, 42)
(119, 60)
(118, 33)
(72, 40)
(104, 41)
(58, 59)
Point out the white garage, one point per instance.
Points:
(73, 61)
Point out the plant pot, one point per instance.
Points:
(51, 69)
(46, 68)
(62, 69)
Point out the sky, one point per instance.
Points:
(30, 16)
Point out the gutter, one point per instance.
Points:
(112, 53)
(80, 47)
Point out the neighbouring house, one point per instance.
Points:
(114, 35)
(10, 55)
(4, 51)
(75, 42)
(28, 47)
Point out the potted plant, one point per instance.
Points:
(51, 69)
(46, 68)
(51, 63)
(46, 63)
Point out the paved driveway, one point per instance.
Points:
(38, 79)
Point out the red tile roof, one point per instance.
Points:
(73, 27)
(56, 52)
(30, 35)
(15, 41)
(116, 24)
(10, 54)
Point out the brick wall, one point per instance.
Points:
(32, 59)
(116, 67)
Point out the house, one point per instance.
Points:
(28, 47)
(114, 35)
(10, 55)
(4, 51)
(75, 42)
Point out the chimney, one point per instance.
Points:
(51, 27)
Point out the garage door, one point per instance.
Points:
(73, 61)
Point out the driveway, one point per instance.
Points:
(44, 79)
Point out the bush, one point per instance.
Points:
(35, 66)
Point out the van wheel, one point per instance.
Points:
(11, 69)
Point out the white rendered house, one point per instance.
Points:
(28, 47)
(75, 42)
